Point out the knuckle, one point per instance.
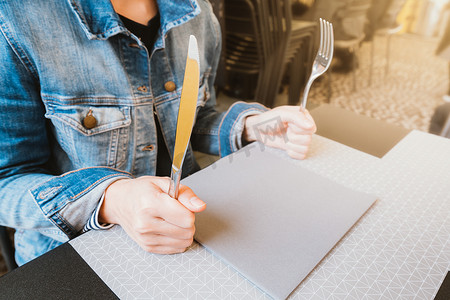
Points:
(149, 248)
(140, 227)
(150, 243)
(290, 152)
(190, 220)
(187, 220)
(192, 231)
(143, 210)
(308, 139)
(188, 233)
(146, 239)
(186, 243)
(178, 250)
(158, 195)
(295, 154)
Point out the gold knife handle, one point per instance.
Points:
(174, 187)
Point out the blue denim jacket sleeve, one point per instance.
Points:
(30, 197)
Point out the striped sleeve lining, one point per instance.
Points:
(93, 223)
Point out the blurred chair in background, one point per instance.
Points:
(382, 21)
(350, 33)
(382, 15)
(443, 49)
(297, 55)
(262, 39)
(300, 7)
(349, 18)
(440, 121)
(245, 50)
(445, 132)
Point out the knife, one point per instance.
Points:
(186, 114)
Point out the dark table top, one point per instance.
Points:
(58, 274)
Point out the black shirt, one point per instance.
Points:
(147, 34)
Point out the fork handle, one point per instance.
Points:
(305, 95)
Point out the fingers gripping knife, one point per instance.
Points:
(186, 114)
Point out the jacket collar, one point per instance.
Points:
(99, 20)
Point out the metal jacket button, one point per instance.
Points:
(169, 86)
(148, 148)
(89, 121)
(143, 89)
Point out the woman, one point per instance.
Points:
(88, 111)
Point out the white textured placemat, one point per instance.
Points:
(399, 250)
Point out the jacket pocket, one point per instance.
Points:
(102, 141)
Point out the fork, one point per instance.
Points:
(323, 57)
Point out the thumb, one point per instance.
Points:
(188, 198)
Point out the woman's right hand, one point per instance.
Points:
(158, 223)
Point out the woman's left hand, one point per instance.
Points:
(284, 127)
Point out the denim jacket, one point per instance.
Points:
(64, 60)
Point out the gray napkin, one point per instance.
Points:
(271, 219)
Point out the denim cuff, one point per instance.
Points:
(232, 125)
(70, 199)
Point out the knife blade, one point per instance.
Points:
(186, 114)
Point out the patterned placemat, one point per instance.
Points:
(399, 249)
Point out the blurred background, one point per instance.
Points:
(387, 64)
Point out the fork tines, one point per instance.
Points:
(326, 39)
(323, 58)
